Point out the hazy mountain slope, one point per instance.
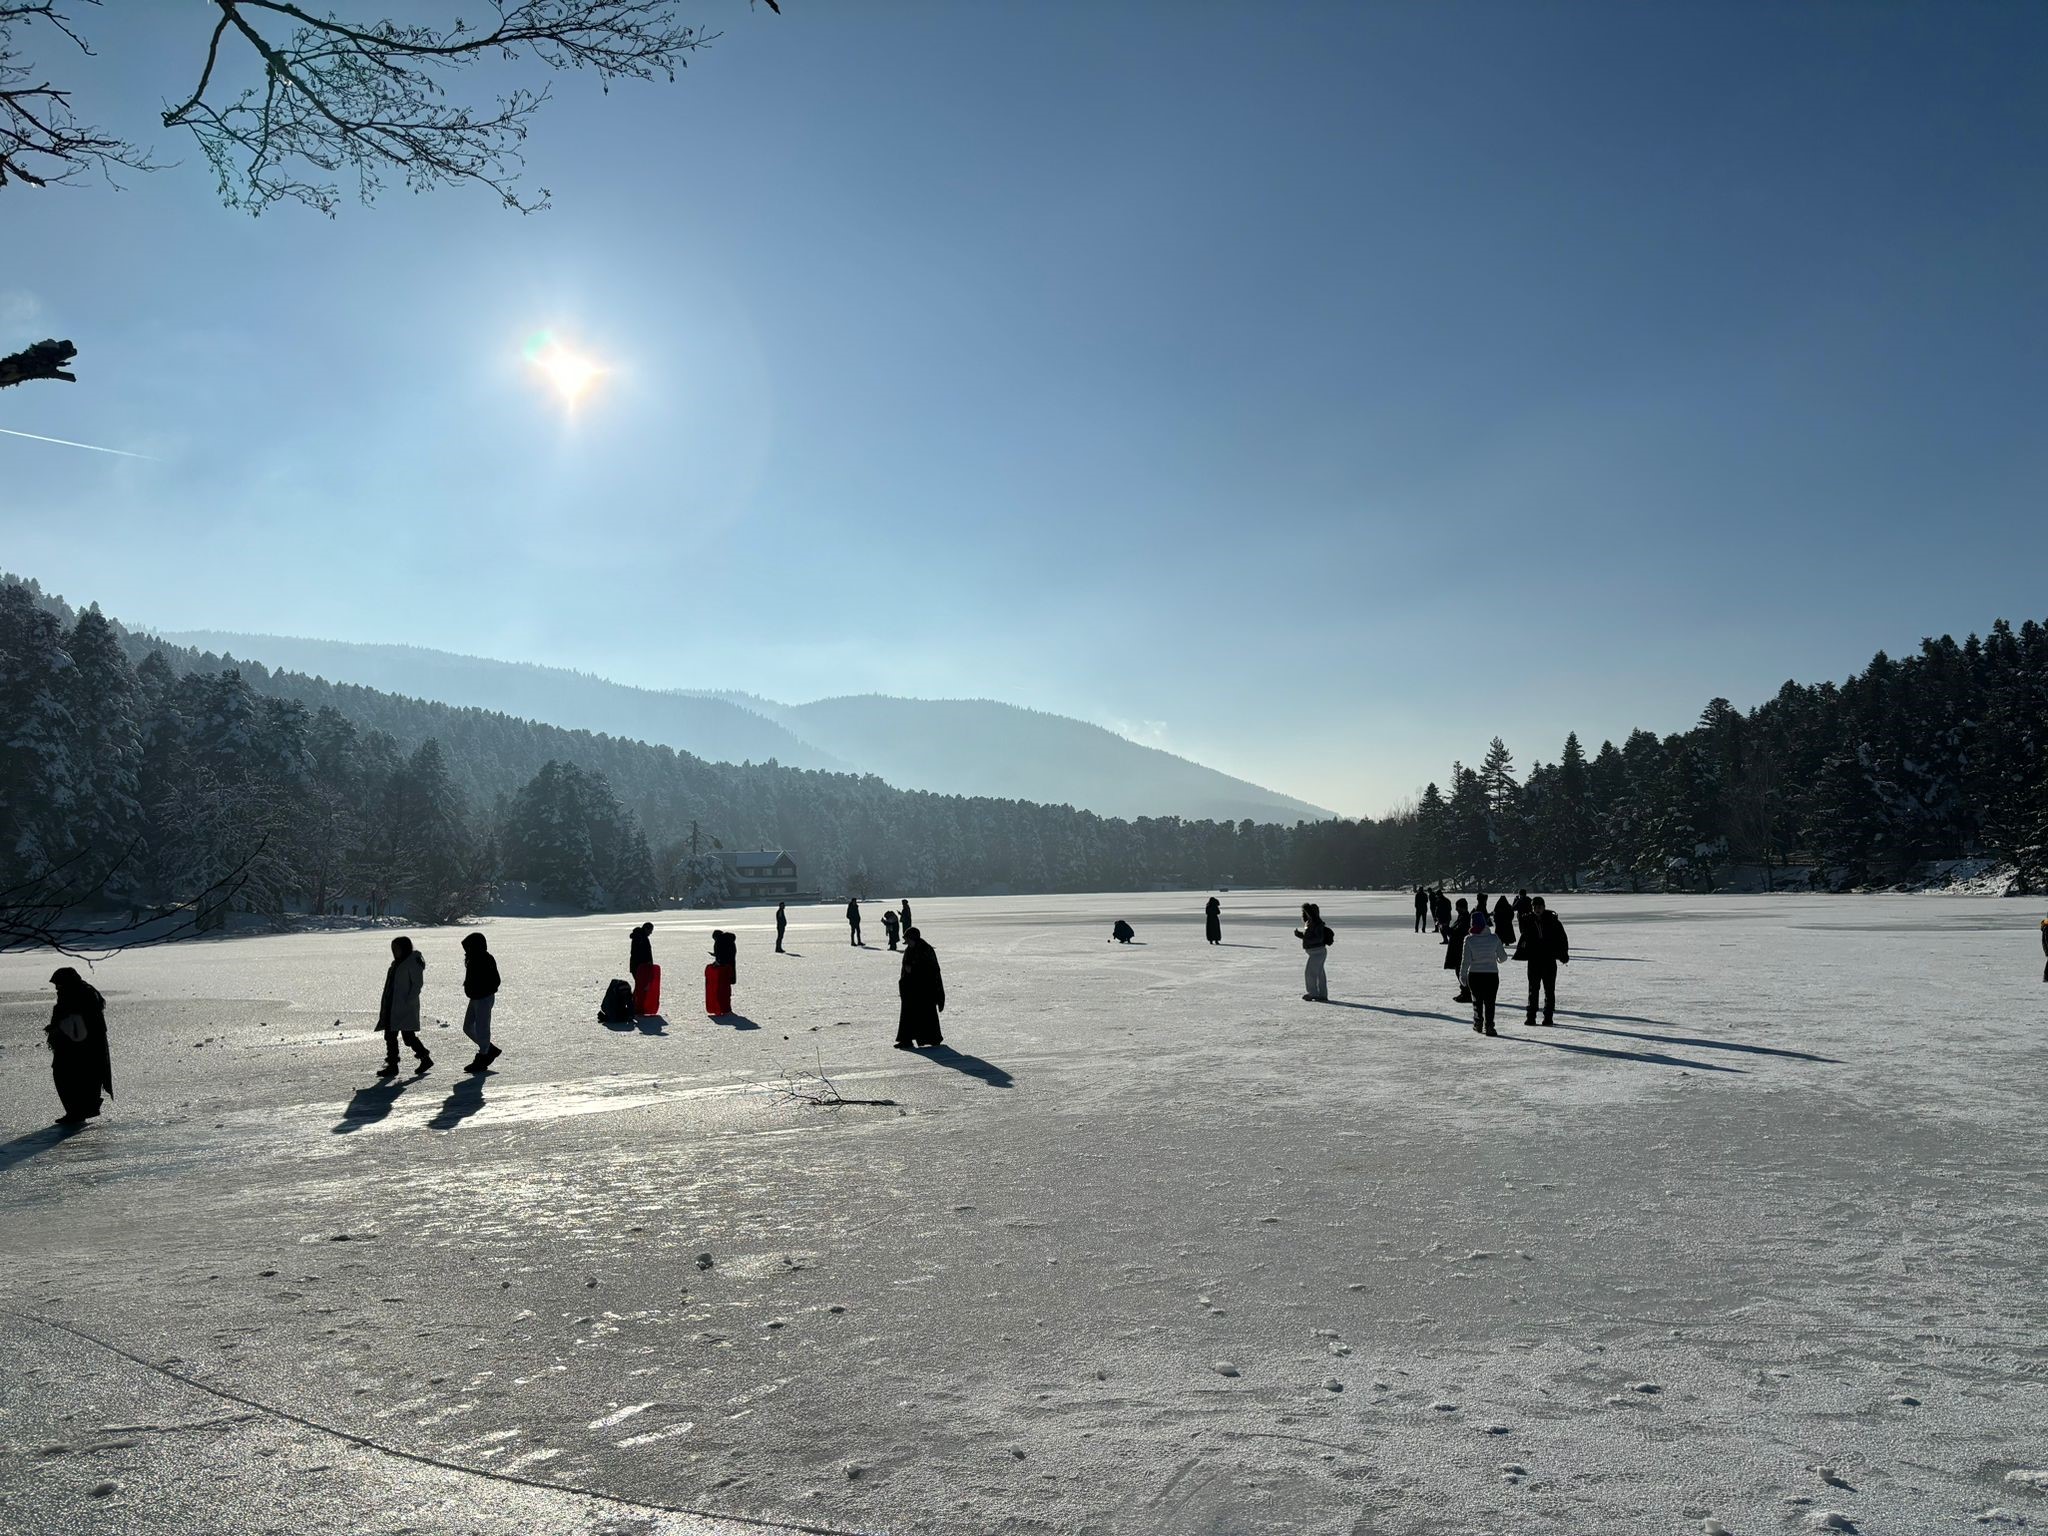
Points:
(982, 747)
(948, 746)
(710, 726)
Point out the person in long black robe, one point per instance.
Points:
(923, 991)
(79, 1063)
(1504, 921)
(1212, 920)
(1454, 942)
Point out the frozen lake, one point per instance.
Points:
(1756, 1234)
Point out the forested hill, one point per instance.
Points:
(114, 741)
(976, 747)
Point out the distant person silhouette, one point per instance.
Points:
(1316, 939)
(1440, 908)
(1521, 906)
(1454, 954)
(398, 1011)
(892, 928)
(1122, 932)
(1504, 920)
(2044, 948)
(1212, 920)
(853, 921)
(640, 960)
(903, 915)
(480, 985)
(922, 991)
(80, 1066)
(1421, 910)
(1545, 946)
(781, 924)
(1479, 972)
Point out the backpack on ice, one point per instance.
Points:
(617, 1007)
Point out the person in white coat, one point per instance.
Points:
(399, 1011)
(1479, 970)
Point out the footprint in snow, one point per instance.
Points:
(1225, 1368)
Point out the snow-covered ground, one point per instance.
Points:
(1755, 1235)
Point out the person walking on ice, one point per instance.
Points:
(903, 918)
(1545, 947)
(922, 990)
(1454, 937)
(1421, 910)
(79, 1064)
(781, 924)
(480, 986)
(1212, 921)
(398, 1012)
(853, 922)
(1316, 939)
(1479, 971)
(1504, 919)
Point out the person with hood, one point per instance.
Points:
(1212, 921)
(853, 922)
(640, 960)
(1504, 920)
(1422, 905)
(923, 992)
(1545, 947)
(891, 928)
(2044, 948)
(79, 1064)
(781, 923)
(1454, 940)
(1121, 932)
(1316, 939)
(480, 986)
(1479, 961)
(398, 1013)
(1440, 904)
(725, 950)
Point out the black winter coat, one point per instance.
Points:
(1544, 940)
(479, 973)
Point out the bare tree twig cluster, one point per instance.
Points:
(42, 140)
(37, 913)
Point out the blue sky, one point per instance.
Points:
(1315, 390)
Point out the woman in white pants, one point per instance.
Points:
(1316, 940)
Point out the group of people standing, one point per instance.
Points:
(895, 925)
(1477, 942)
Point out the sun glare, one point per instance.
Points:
(566, 371)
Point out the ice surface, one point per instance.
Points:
(1780, 1161)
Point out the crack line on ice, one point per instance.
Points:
(228, 1395)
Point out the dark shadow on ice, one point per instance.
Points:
(26, 1146)
(734, 1021)
(1692, 1040)
(1233, 944)
(651, 1024)
(464, 1100)
(1613, 959)
(973, 1066)
(369, 1105)
(1406, 1013)
(1654, 1058)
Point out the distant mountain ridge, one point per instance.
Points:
(946, 746)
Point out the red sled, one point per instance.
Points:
(717, 991)
(647, 991)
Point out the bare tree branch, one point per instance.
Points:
(41, 141)
(35, 914)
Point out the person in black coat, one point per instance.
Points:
(1454, 942)
(1421, 910)
(923, 992)
(1212, 920)
(1122, 932)
(1545, 947)
(781, 924)
(892, 930)
(1440, 904)
(80, 1066)
(480, 982)
(725, 950)
(903, 916)
(853, 923)
(1504, 921)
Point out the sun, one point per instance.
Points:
(569, 373)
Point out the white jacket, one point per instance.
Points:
(1483, 953)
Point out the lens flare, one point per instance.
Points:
(566, 371)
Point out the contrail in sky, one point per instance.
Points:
(94, 447)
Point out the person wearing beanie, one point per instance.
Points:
(1479, 959)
